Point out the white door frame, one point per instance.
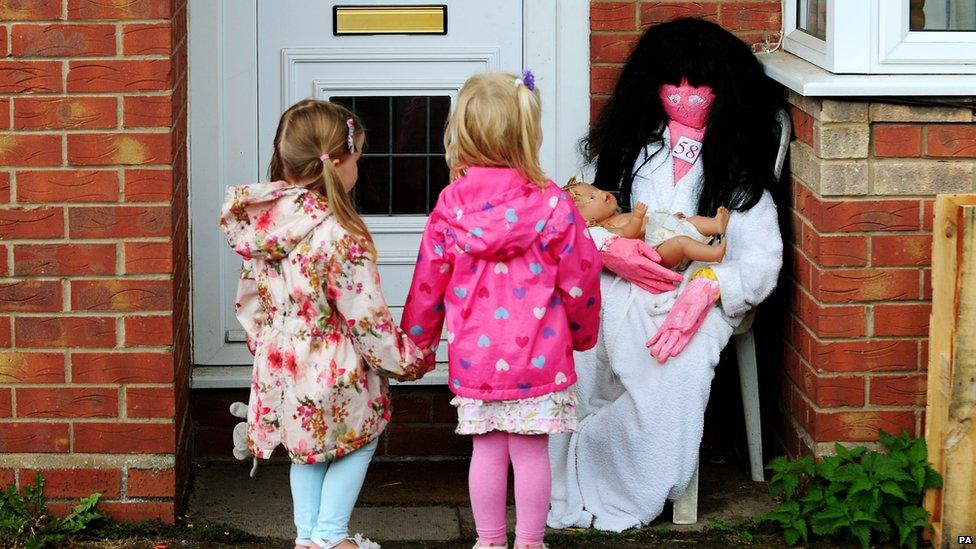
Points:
(223, 75)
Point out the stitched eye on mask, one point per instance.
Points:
(674, 98)
(696, 99)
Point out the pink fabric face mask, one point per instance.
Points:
(686, 104)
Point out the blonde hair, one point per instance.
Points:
(306, 131)
(496, 122)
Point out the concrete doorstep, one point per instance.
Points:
(423, 502)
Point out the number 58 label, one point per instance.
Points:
(687, 149)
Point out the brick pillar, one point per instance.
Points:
(864, 175)
(94, 341)
(616, 26)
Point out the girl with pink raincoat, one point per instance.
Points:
(507, 260)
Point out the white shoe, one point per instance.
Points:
(477, 545)
(358, 539)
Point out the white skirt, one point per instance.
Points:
(540, 415)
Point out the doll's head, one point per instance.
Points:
(741, 134)
(593, 204)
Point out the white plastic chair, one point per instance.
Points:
(686, 507)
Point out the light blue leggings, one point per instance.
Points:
(324, 495)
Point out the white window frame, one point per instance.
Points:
(873, 37)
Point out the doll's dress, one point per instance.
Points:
(662, 226)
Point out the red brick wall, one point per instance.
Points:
(865, 175)
(94, 341)
(616, 26)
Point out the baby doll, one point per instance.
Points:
(678, 239)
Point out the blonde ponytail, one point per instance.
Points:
(330, 186)
(309, 130)
(530, 134)
(496, 122)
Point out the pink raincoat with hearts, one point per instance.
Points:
(512, 268)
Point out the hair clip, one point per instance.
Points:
(527, 79)
(324, 157)
(351, 135)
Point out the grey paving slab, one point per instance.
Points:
(262, 506)
(420, 501)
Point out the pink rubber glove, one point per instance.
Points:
(634, 260)
(687, 314)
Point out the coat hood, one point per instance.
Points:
(476, 205)
(267, 220)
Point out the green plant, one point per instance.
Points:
(25, 520)
(743, 529)
(856, 495)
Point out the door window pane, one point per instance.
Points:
(372, 192)
(403, 168)
(409, 187)
(942, 15)
(811, 17)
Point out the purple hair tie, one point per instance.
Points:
(527, 80)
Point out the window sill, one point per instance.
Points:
(809, 80)
(239, 377)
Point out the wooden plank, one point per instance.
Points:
(950, 428)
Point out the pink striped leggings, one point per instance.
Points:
(488, 485)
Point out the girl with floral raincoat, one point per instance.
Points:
(309, 299)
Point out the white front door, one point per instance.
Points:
(401, 86)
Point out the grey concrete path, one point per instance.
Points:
(418, 501)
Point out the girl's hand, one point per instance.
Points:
(413, 374)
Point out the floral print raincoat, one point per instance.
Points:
(323, 339)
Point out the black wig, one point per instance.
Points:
(741, 138)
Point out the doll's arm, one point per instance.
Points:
(629, 225)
